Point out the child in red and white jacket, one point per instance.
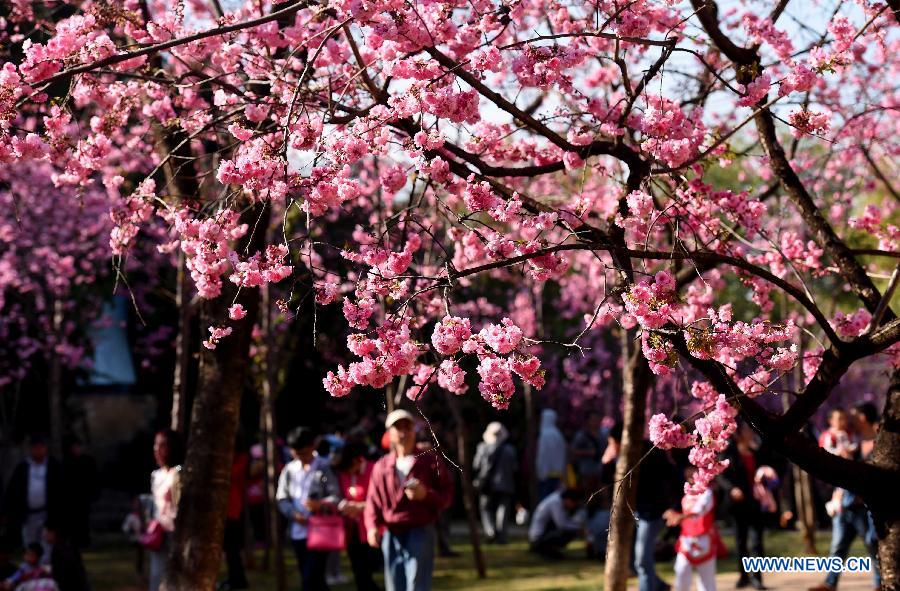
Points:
(699, 542)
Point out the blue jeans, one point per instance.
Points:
(845, 526)
(644, 561)
(598, 529)
(409, 559)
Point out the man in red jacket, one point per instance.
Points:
(406, 496)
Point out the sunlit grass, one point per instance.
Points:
(110, 565)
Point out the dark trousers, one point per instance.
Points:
(443, 535)
(364, 560)
(495, 510)
(312, 567)
(234, 543)
(258, 516)
(748, 526)
(552, 542)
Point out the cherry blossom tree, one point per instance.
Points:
(54, 262)
(666, 171)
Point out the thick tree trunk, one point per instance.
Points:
(889, 554)
(884, 507)
(635, 382)
(468, 491)
(206, 474)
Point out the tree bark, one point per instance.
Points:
(884, 507)
(56, 386)
(468, 490)
(531, 445)
(635, 383)
(182, 348)
(806, 514)
(206, 474)
(273, 519)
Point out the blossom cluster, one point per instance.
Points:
(708, 439)
(392, 352)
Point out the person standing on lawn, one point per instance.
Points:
(851, 517)
(737, 481)
(587, 448)
(550, 462)
(354, 471)
(495, 466)
(407, 494)
(36, 492)
(305, 486)
(659, 493)
(233, 543)
(165, 488)
(698, 544)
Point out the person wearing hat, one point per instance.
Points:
(407, 494)
(306, 486)
(495, 467)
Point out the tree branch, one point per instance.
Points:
(151, 49)
(859, 477)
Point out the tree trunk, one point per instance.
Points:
(182, 348)
(56, 386)
(273, 519)
(635, 383)
(468, 490)
(806, 512)
(889, 554)
(531, 445)
(206, 475)
(884, 507)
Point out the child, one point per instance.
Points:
(836, 440)
(31, 575)
(698, 543)
(133, 527)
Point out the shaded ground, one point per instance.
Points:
(111, 568)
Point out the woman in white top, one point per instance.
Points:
(165, 488)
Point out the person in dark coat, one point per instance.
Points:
(659, 492)
(495, 466)
(737, 482)
(82, 489)
(35, 493)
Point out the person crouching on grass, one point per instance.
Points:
(407, 494)
(558, 520)
(699, 541)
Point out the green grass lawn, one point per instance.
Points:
(110, 565)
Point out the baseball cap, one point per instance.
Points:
(398, 415)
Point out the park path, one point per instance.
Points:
(796, 581)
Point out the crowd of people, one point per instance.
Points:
(383, 495)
